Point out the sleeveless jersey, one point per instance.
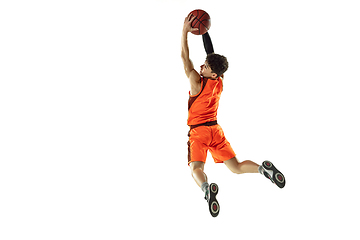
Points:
(204, 105)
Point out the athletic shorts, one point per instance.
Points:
(212, 138)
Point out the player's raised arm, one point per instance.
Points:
(209, 49)
(190, 72)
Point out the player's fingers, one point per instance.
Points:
(192, 19)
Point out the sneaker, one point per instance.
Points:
(270, 171)
(210, 196)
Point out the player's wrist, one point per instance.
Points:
(186, 30)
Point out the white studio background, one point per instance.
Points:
(93, 109)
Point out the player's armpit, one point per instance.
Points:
(190, 72)
(194, 77)
(195, 82)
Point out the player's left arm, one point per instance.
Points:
(185, 55)
(190, 72)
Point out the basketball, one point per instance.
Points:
(202, 21)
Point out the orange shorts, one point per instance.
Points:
(204, 138)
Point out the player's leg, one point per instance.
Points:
(267, 169)
(197, 153)
(197, 172)
(242, 167)
(198, 147)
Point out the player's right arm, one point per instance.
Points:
(190, 72)
(209, 49)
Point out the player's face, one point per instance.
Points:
(206, 71)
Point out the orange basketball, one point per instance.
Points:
(202, 21)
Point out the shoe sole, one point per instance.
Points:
(214, 206)
(278, 177)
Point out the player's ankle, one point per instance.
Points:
(261, 170)
(204, 186)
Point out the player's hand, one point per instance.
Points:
(187, 24)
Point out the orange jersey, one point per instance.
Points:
(204, 105)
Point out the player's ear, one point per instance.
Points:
(214, 75)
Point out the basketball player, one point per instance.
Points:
(205, 133)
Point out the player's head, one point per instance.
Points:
(215, 66)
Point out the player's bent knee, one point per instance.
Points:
(196, 165)
(233, 165)
(235, 170)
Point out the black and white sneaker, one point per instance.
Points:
(210, 197)
(270, 171)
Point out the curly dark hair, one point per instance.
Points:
(217, 63)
